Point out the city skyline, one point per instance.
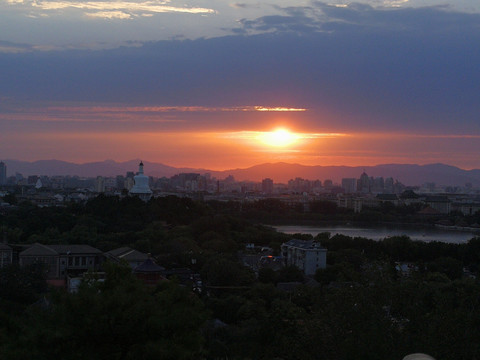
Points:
(411, 175)
(231, 85)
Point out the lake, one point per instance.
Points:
(379, 233)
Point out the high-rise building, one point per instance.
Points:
(350, 185)
(267, 186)
(3, 173)
(328, 184)
(120, 182)
(299, 185)
(388, 189)
(363, 185)
(32, 179)
(100, 184)
(378, 185)
(110, 184)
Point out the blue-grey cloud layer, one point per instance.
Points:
(406, 68)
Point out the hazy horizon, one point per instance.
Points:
(282, 172)
(200, 167)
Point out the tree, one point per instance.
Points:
(117, 319)
(453, 268)
(290, 273)
(21, 286)
(323, 207)
(220, 271)
(267, 275)
(10, 198)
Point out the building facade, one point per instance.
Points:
(6, 255)
(267, 186)
(62, 260)
(307, 255)
(100, 184)
(3, 173)
(440, 203)
(350, 185)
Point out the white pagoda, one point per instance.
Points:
(140, 187)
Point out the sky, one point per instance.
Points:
(220, 84)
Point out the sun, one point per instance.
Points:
(278, 138)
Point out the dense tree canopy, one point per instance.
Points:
(117, 319)
(375, 300)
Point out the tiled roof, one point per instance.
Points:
(128, 254)
(134, 255)
(75, 249)
(49, 250)
(148, 267)
(119, 251)
(391, 197)
(5, 247)
(38, 250)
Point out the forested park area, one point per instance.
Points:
(375, 299)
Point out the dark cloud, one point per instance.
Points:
(278, 23)
(245, 6)
(9, 47)
(364, 67)
(433, 20)
(362, 17)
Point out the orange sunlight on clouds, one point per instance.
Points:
(227, 150)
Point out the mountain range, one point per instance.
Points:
(408, 174)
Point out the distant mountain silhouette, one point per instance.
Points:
(408, 174)
(93, 169)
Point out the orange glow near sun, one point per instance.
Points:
(278, 138)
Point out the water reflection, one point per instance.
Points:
(426, 234)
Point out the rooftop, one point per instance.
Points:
(304, 244)
(149, 267)
(49, 250)
(128, 254)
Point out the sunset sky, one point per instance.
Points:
(218, 84)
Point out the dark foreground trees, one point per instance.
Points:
(362, 308)
(117, 319)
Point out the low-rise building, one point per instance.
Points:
(6, 255)
(132, 256)
(62, 260)
(440, 203)
(307, 255)
(467, 208)
(150, 273)
(390, 198)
